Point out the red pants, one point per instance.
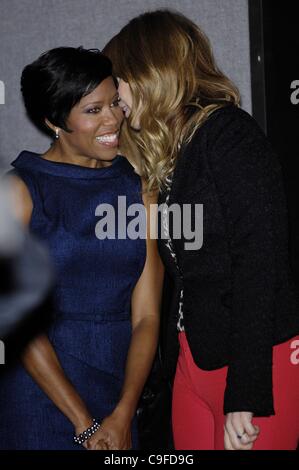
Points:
(197, 408)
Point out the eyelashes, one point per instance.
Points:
(117, 101)
(97, 109)
(93, 110)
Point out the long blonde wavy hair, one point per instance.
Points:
(169, 65)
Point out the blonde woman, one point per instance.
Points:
(233, 310)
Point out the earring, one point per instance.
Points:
(56, 133)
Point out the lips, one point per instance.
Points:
(108, 139)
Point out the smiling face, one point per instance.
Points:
(125, 96)
(95, 123)
(126, 103)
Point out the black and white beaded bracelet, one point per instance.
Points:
(81, 438)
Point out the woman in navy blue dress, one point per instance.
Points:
(89, 367)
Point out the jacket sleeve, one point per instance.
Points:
(249, 185)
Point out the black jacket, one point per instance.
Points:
(239, 299)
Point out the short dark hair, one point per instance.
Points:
(54, 83)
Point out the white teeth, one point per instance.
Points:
(107, 138)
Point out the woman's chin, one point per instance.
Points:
(107, 158)
(108, 154)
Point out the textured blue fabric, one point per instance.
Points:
(91, 327)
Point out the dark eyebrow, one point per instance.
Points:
(99, 102)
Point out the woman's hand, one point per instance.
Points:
(239, 432)
(114, 434)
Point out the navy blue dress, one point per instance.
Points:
(91, 326)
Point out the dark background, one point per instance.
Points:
(274, 36)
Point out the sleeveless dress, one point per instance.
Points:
(91, 325)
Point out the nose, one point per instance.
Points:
(122, 104)
(113, 116)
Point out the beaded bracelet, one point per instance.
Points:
(85, 435)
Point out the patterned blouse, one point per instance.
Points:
(165, 221)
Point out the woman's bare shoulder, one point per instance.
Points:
(21, 198)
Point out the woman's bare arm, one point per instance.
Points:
(39, 357)
(115, 433)
(146, 301)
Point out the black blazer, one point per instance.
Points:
(239, 299)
